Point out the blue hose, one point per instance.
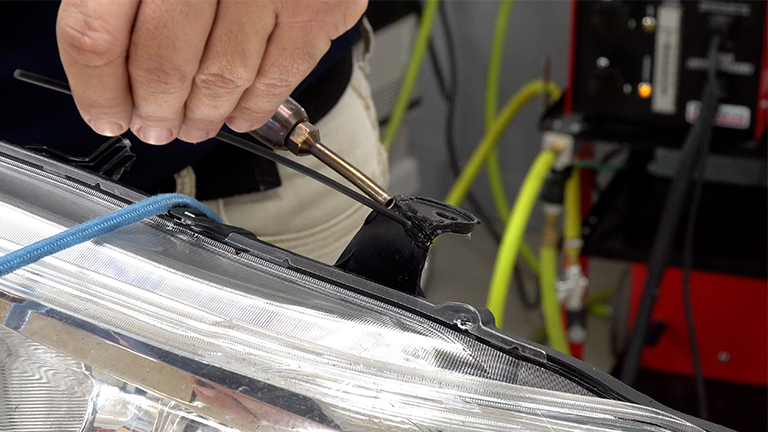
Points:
(101, 225)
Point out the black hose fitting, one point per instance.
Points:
(553, 191)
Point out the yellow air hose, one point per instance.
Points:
(491, 109)
(513, 235)
(572, 228)
(411, 73)
(550, 305)
(490, 140)
(491, 105)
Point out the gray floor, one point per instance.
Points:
(460, 270)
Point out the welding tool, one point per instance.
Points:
(289, 129)
(390, 250)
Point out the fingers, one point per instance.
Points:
(166, 47)
(93, 38)
(301, 36)
(229, 65)
(288, 59)
(182, 68)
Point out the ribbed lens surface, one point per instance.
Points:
(40, 390)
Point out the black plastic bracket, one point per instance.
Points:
(394, 255)
(112, 159)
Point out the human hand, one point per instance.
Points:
(179, 68)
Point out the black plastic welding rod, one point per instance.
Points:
(42, 81)
(63, 87)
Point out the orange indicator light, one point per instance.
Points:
(644, 90)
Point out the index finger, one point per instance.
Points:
(93, 38)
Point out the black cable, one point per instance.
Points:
(445, 91)
(662, 245)
(525, 299)
(246, 145)
(42, 81)
(620, 306)
(449, 90)
(701, 392)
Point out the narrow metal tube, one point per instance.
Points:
(349, 172)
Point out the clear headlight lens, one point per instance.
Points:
(155, 328)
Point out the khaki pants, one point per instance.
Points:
(303, 215)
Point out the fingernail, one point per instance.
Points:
(107, 127)
(193, 135)
(154, 135)
(239, 125)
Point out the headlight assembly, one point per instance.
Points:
(161, 326)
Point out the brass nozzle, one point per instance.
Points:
(303, 137)
(550, 234)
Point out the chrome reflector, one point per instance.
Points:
(40, 389)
